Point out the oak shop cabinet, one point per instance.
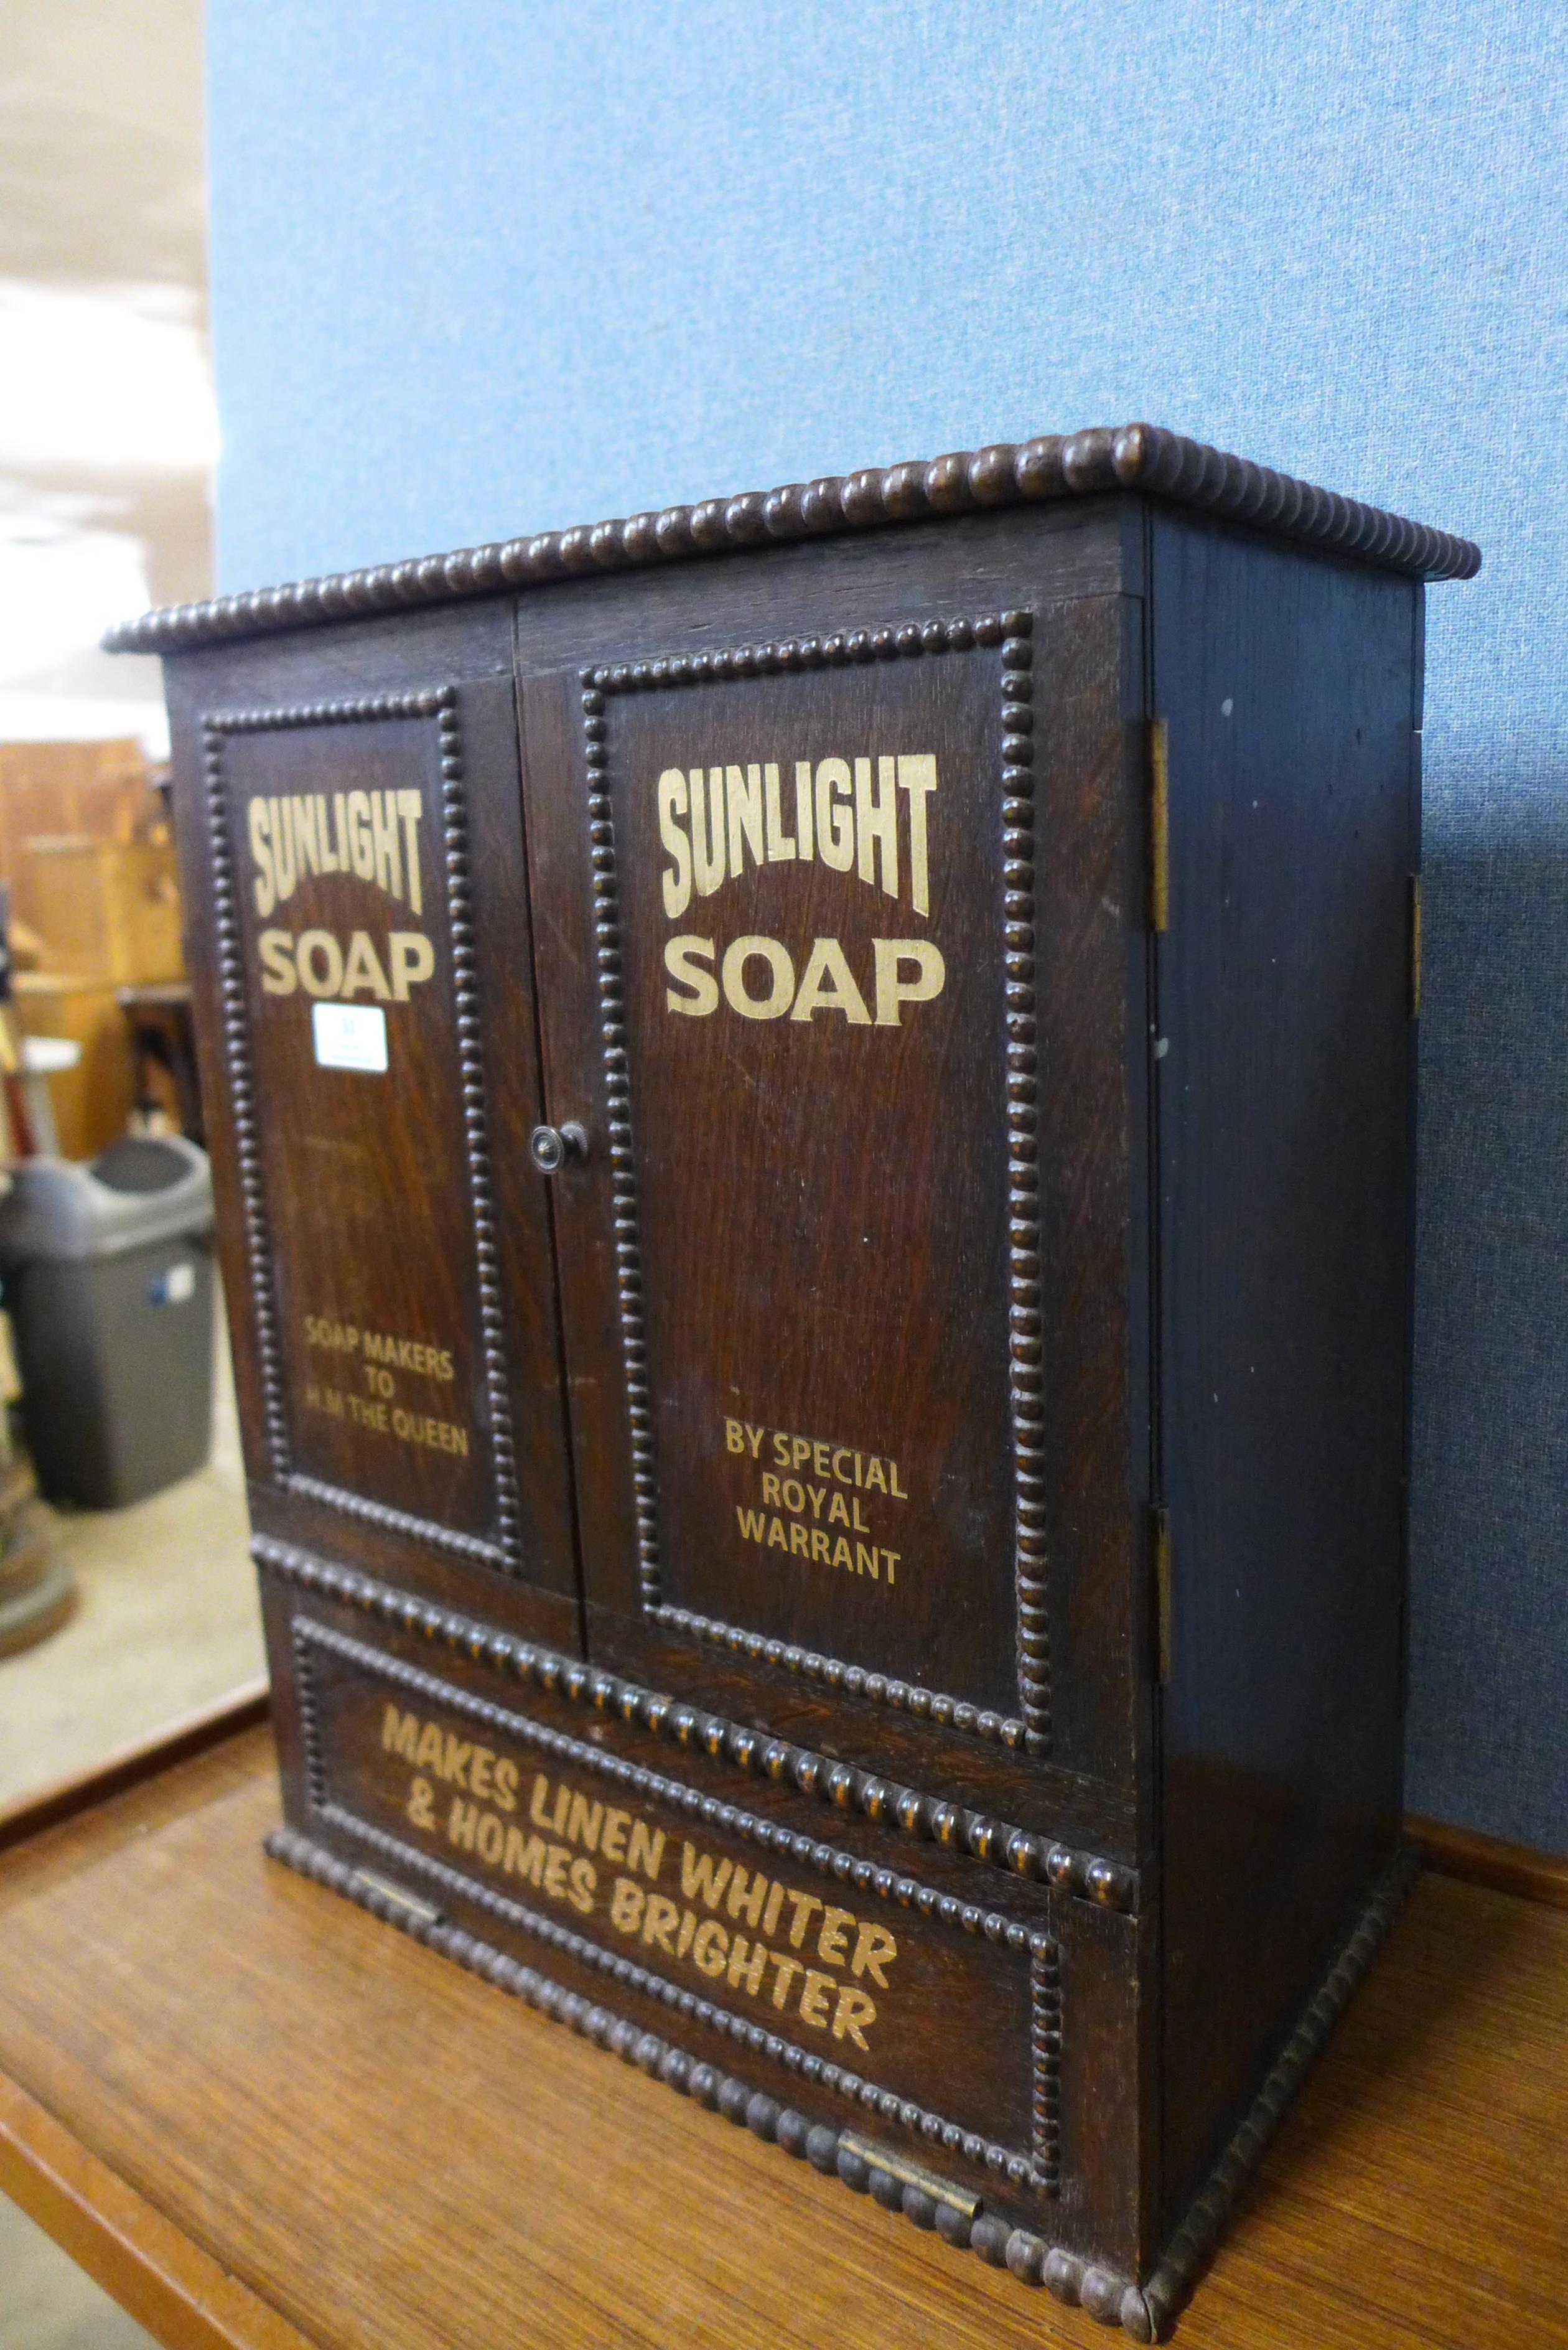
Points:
(815, 1164)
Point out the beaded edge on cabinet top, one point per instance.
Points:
(1125, 457)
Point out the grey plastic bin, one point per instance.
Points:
(108, 1269)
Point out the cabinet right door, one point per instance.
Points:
(841, 947)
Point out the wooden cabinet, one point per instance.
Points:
(815, 1158)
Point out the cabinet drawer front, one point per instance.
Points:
(525, 1810)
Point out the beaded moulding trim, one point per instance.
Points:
(1142, 457)
(1145, 2312)
(1037, 2168)
(1107, 1884)
(1008, 634)
(439, 703)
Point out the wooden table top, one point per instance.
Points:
(261, 2119)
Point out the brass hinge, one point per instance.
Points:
(1415, 946)
(1158, 825)
(1162, 1592)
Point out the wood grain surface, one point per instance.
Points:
(382, 2150)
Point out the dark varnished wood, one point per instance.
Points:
(1286, 1119)
(825, 1132)
(1098, 1251)
(344, 2140)
(399, 1205)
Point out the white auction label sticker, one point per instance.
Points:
(349, 1035)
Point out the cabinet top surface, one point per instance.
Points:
(1132, 457)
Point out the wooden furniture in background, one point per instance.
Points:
(85, 846)
(262, 2123)
(102, 909)
(101, 789)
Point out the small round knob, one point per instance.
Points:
(551, 1147)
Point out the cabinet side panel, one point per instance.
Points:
(1286, 1120)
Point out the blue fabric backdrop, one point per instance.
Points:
(485, 267)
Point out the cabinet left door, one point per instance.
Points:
(351, 858)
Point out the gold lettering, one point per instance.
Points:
(330, 979)
(261, 852)
(361, 847)
(747, 1962)
(708, 859)
(918, 776)
(677, 877)
(278, 974)
(877, 823)
(732, 971)
(411, 808)
(612, 1836)
(306, 848)
(462, 1823)
(647, 1850)
(747, 1894)
(385, 844)
(890, 956)
(709, 1945)
(584, 1821)
(874, 1949)
(803, 805)
(854, 2009)
(781, 847)
(743, 802)
(363, 968)
(802, 1905)
(524, 1857)
(835, 820)
(784, 1972)
(682, 962)
(627, 1903)
(830, 1943)
(814, 1999)
(827, 985)
(412, 959)
(400, 1734)
(701, 1877)
(286, 870)
(329, 863)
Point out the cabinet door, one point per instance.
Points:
(352, 852)
(790, 902)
